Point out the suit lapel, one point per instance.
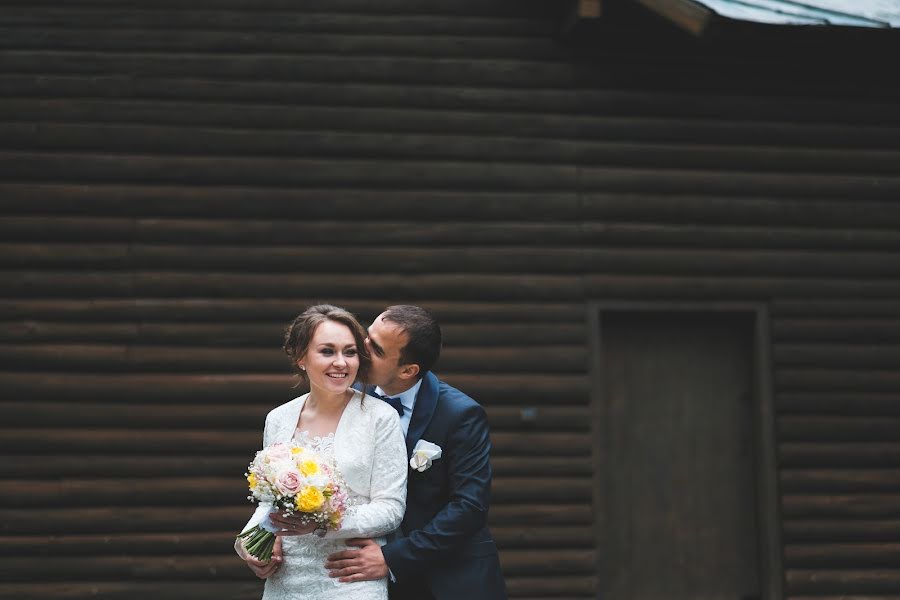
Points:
(426, 402)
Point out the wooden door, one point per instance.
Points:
(677, 492)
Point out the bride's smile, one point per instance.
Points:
(332, 361)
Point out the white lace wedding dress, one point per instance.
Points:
(369, 450)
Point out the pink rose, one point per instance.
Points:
(288, 483)
(278, 452)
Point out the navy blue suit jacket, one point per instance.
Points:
(445, 546)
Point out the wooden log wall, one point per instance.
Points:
(176, 182)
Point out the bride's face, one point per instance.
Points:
(331, 362)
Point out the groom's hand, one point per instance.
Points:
(365, 564)
(263, 570)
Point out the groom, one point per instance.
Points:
(443, 550)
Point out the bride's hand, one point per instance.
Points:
(263, 570)
(290, 525)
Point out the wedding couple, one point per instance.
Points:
(418, 518)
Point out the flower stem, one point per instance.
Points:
(258, 542)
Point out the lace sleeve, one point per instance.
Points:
(384, 511)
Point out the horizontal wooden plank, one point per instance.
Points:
(125, 519)
(135, 544)
(839, 480)
(129, 518)
(863, 506)
(547, 563)
(220, 542)
(824, 113)
(323, 141)
(192, 311)
(839, 530)
(730, 207)
(208, 230)
(119, 590)
(830, 307)
(742, 184)
(554, 587)
(527, 588)
(36, 467)
(836, 455)
(418, 287)
(156, 200)
(173, 359)
(840, 329)
(271, 390)
(723, 287)
(424, 287)
(62, 413)
(537, 537)
(69, 167)
(849, 581)
(244, 443)
(864, 355)
(381, 39)
(322, 67)
(224, 491)
(834, 428)
(471, 259)
(815, 380)
(236, 201)
(550, 562)
(83, 464)
(860, 404)
(265, 333)
(839, 556)
(127, 568)
(447, 174)
(845, 597)
(318, 105)
(275, 17)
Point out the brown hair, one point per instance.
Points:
(423, 347)
(299, 334)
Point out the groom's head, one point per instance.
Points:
(405, 342)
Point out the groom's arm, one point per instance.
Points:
(469, 481)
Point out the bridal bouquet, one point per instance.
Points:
(297, 481)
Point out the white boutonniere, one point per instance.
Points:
(423, 455)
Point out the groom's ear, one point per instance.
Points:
(409, 371)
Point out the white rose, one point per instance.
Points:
(424, 454)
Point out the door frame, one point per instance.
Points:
(768, 504)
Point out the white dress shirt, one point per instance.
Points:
(408, 400)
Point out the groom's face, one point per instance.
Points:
(385, 342)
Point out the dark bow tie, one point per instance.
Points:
(395, 402)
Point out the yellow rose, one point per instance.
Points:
(251, 480)
(309, 500)
(309, 467)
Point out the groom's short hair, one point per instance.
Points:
(423, 347)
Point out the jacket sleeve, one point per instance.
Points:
(387, 490)
(466, 511)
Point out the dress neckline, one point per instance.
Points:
(337, 426)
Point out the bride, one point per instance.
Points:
(362, 435)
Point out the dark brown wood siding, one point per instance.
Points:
(177, 182)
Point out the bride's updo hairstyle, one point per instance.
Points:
(299, 334)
